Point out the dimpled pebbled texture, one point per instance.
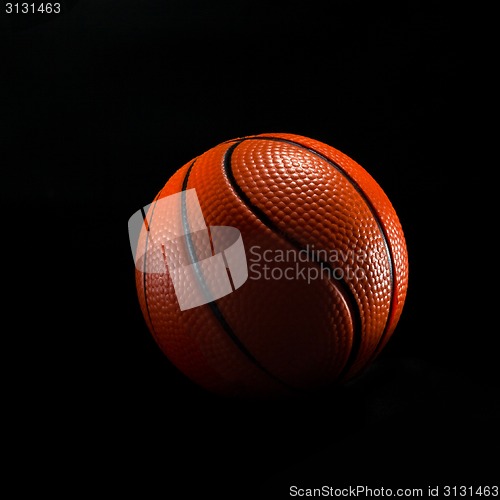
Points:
(286, 194)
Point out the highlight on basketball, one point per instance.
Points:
(271, 265)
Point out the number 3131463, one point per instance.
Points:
(32, 8)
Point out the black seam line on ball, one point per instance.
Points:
(342, 286)
(213, 305)
(369, 204)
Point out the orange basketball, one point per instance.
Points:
(270, 265)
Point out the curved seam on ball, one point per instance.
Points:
(344, 290)
(366, 199)
(215, 308)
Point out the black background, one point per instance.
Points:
(103, 102)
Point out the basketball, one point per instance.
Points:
(270, 265)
